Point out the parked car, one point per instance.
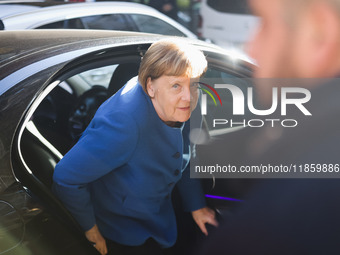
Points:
(92, 15)
(45, 103)
(226, 22)
(100, 15)
(13, 9)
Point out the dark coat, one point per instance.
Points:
(290, 216)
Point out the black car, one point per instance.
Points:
(51, 83)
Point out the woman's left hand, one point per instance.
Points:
(203, 216)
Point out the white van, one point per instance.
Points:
(226, 22)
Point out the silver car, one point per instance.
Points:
(90, 15)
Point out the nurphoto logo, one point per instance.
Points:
(204, 97)
(242, 103)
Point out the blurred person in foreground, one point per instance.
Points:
(117, 180)
(297, 39)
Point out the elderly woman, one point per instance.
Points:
(117, 180)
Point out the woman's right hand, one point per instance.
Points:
(95, 237)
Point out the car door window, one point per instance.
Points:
(107, 22)
(98, 76)
(154, 25)
(66, 24)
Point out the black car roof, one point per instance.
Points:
(32, 45)
(14, 43)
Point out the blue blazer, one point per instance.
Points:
(121, 172)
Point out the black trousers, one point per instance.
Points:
(150, 247)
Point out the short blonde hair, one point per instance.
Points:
(172, 58)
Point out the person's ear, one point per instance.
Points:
(325, 39)
(150, 87)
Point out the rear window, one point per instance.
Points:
(230, 6)
(68, 23)
(149, 24)
(108, 22)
